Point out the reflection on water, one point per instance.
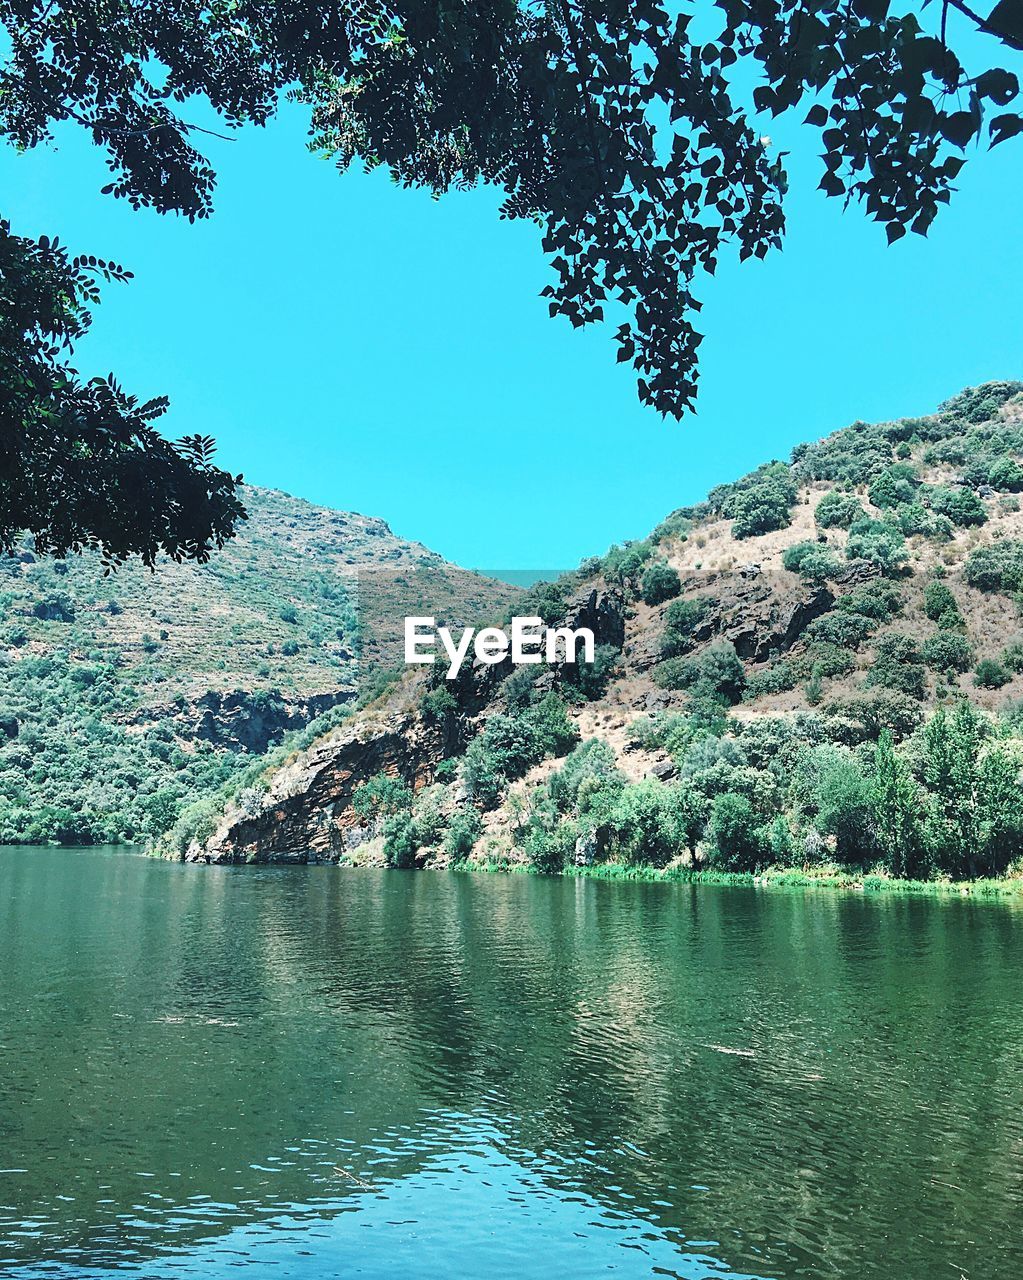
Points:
(316, 1072)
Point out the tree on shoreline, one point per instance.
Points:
(617, 128)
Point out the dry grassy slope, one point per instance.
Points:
(185, 630)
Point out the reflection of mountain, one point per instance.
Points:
(188, 1053)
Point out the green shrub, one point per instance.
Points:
(660, 582)
(1012, 656)
(812, 560)
(779, 677)
(838, 510)
(464, 829)
(915, 518)
(895, 486)
(381, 794)
(549, 850)
(898, 665)
(959, 504)
(509, 745)
(996, 568)
(990, 674)
(439, 704)
(681, 620)
(947, 652)
(1006, 475)
(761, 502)
(878, 542)
(718, 669)
(740, 842)
(938, 600)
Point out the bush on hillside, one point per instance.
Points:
(811, 560)
(895, 486)
(939, 600)
(996, 568)
(878, 542)
(947, 652)
(990, 674)
(838, 510)
(897, 665)
(761, 502)
(660, 582)
(960, 505)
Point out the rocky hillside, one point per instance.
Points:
(820, 663)
(124, 698)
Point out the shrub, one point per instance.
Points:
(643, 824)
(439, 704)
(660, 582)
(938, 600)
(777, 678)
(681, 620)
(996, 568)
(812, 560)
(990, 674)
(288, 613)
(509, 745)
(55, 608)
(740, 842)
(761, 503)
(623, 563)
(838, 510)
(463, 831)
(1006, 474)
(829, 659)
(895, 486)
(842, 799)
(718, 669)
(898, 665)
(381, 794)
(877, 542)
(841, 628)
(914, 518)
(960, 505)
(947, 652)
(591, 678)
(1012, 656)
(549, 850)
(592, 759)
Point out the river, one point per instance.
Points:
(317, 1072)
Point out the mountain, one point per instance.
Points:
(125, 697)
(818, 667)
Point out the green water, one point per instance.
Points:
(313, 1072)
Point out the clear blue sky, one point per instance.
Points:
(374, 350)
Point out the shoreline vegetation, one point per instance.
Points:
(833, 877)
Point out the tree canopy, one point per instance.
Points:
(626, 130)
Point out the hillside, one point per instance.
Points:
(123, 698)
(820, 665)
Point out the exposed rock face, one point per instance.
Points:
(255, 721)
(761, 615)
(307, 814)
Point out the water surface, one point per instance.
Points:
(312, 1072)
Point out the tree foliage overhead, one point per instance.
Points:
(626, 130)
(82, 463)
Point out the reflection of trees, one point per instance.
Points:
(589, 1021)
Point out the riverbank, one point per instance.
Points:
(829, 876)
